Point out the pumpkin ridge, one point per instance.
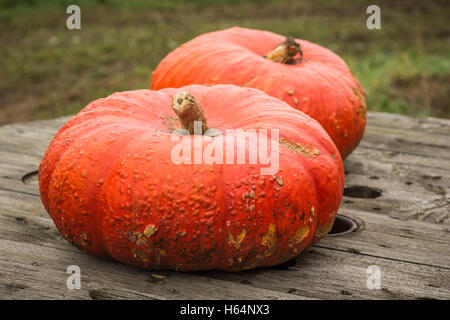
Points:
(65, 130)
(64, 156)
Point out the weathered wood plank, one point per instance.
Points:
(30, 271)
(39, 272)
(33, 264)
(381, 236)
(14, 168)
(384, 242)
(400, 191)
(405, 160)
(411, 142)
(332, 274)
(435, 126)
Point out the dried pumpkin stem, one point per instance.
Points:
(285, 52)
(190, 112)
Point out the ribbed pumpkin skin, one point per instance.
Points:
(109, 184)
(321, 85)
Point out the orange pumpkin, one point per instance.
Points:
(307, 76)
(110, 184)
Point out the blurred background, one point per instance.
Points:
(48, 71)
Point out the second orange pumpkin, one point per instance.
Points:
(307, 76)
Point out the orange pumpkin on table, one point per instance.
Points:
(112, 189)
(307, 76)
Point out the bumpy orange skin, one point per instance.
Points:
(321, 85)
(108, 182)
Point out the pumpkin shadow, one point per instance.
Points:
(282, 266)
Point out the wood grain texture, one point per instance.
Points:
(397, 189)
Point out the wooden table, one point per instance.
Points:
(397, 190)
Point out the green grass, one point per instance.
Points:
(48, 71)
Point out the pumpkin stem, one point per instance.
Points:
(285, 52)
(190, 112)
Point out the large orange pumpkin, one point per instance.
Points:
(109, 182)
(307, 76)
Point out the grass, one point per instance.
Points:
(48, 71)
